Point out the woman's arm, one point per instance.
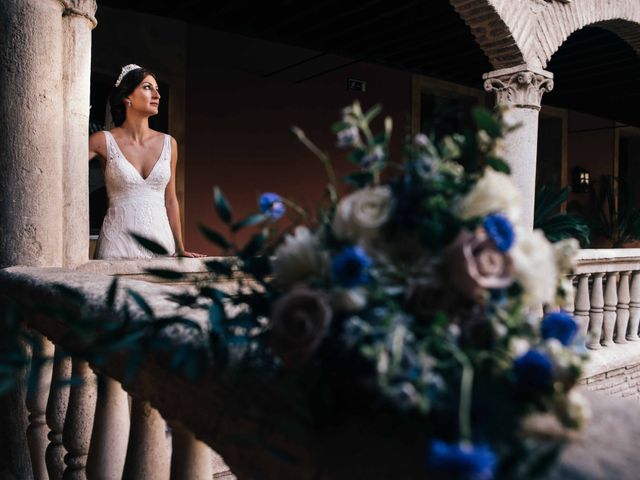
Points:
(97, 145)
(173, 208)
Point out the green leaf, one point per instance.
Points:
(372, 113)
(111, 294)
(356, 156)
(133, 365)
(487, 122)
(214, 237)
(339, 126)
(498, 165)
(219, 268)
(222, 206)
(179, 357)
(165, 273)
(253, 246)
(259, 267)
(141, 302)
(216, 317)
(249, 221)
(150, 245)
(359, 179)
(7, 384)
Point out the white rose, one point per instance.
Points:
(578, 408)
(493, 192)
(299, 259)
(566, 254)
(566, 293)
(361, 214)
(534, 265)
(518, 346)
(349, 300)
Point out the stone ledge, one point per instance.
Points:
(611, 358)
(193, 268)
(219, 410)
(608, 260)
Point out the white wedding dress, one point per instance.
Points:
(136, 205)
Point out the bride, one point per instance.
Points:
(139, 166)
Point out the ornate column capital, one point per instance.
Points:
(82, 8)
(521, 86)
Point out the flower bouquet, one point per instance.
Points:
(418, 295)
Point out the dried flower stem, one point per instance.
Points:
(302, 137)
(466, 392)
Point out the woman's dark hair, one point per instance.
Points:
(128, 84)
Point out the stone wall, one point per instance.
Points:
(620, 382)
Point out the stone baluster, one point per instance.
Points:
(56, 412)
(582, 304)
(79, 421)
(149, 450)
(610, 306)
(570, 305)
(108, 448)
(37, 395)
(634, 307)
(622, 313)
(190, 458)
(596, 312)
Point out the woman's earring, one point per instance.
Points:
(128, 103)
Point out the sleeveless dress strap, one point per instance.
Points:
(167, 145)
(110, 150)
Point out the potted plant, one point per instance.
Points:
(617, 222)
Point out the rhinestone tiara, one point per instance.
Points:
(126, 69)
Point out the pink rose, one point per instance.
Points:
(475, 264)
(299, 320)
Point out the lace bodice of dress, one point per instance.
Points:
(136, 204)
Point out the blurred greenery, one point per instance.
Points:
(556, 224)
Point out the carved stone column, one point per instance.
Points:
(520, 90)
(79, 20)
(31, 134)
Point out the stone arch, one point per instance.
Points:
(493, 34)
(513, 33)
(557, 21)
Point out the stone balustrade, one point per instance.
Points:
(90, 427)
(110, 426)
(607, 308)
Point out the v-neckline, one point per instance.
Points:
(144, 179)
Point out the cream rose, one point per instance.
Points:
(535, 268)
(361, 214)
(299, 259)
(493, 192)
(299, 320)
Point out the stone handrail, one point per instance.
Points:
(245, 422)
(607, 307)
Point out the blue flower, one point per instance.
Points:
(534, 371)
(271, 205)
(559, 325)
(349, 268)
(500, 230)
(460, 462)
